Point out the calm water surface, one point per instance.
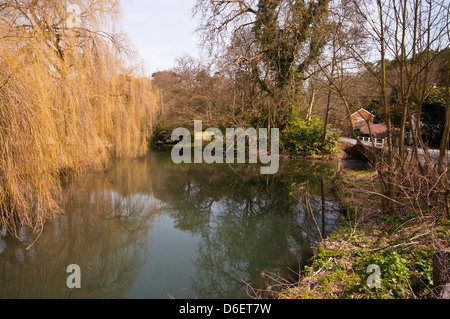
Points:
(147, 228)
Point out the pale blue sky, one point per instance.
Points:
(161, 30)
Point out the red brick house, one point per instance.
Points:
(364, 120)
(361, 116)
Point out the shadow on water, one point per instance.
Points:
(147, 228)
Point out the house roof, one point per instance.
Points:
(363, 109)
(377, 129)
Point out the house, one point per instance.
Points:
(362, 116)
(365, 122)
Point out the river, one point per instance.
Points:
(148, 228)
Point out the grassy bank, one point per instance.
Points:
(402, 245)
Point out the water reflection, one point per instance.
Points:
(249, 224)
(104, 231)
(212, 227)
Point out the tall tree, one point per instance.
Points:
(283, 34)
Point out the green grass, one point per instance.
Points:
(402, 245)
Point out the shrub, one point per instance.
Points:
(163, 133)
(303, 138)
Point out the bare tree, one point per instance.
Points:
(283, 43)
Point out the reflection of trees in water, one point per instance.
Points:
(104, 230)
(248, 222)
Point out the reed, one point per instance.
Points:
(70, 100)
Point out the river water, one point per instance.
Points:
(148, 228)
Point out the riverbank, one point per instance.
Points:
(402, 245)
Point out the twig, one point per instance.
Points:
(29, 247)
(408, 242)
(322, 267)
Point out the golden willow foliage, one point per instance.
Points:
(69, 101)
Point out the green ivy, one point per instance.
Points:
(303, 138)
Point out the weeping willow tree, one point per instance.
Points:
(69, 101)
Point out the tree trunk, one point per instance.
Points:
(445, 137)
(311, 104)
(390, 189)
(441, 274)
(327, 117)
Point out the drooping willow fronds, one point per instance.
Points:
(69, 100)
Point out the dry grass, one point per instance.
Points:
(402, 243)
(68, 102)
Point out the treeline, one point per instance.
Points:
(191, 91)
(69, 101)
(198, 90)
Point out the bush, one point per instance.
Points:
(163, 133)
(302, 138)
(360, 133)
(403, 272)
(433, 117)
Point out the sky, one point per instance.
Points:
(161, 30)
